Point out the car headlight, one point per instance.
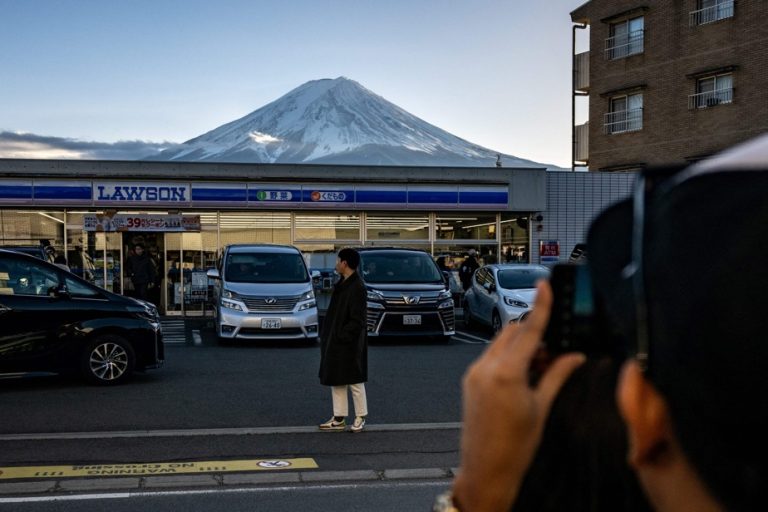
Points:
(374, 296)
(228, 294)
(151, 310)
(445, 294)
(307, 295)
(307, 305)
(515, 303)
(231, 304)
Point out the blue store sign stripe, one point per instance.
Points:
(62, 192)
(474, 197)
(15, 192)
(381, 196)
(432, 197)
(220, 194)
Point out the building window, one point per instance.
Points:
(397, 227)
(712, 91)
(709, 11)
(625, 114)
(626, 39)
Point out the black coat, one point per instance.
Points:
(344, 339)
(141, 269)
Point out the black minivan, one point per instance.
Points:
(408, 295)
(53, 321)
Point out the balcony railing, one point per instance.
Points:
(581, 71)
(623, 121)
(710, 98)
(711, 14)
(624, 45)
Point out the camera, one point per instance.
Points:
(578, 320)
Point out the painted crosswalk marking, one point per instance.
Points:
(155, 468)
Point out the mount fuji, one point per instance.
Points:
(336, 121)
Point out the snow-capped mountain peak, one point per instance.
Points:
(335, 121)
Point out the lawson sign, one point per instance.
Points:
(116, 192)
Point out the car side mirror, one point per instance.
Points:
(60, 292)
(212, 273)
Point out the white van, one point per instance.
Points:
(263, 292)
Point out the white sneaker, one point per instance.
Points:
(358, 425)
(333, 424)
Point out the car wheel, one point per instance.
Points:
(108, 360)
(496, 322)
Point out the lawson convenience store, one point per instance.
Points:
(94, 212)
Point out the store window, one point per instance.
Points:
(327, 226)
(480, 226)
(33, 229)
(515, 238)
(255, 227)
(398, 228)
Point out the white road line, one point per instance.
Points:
(391, 427)
(472, 336)
(271, 489)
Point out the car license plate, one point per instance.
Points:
(270, 323)
(411, 319)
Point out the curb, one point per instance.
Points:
(218, 480)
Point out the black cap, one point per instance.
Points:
(705, 284)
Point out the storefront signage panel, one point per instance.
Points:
(219, 194)
(16, 191)
(141, 193)
(280, 195)
(327, 196)
(433, 196)
(381, 196)
(61, 191)
(140, 222)
(305, 196)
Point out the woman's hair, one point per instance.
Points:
(581, 463)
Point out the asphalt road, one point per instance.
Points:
(351, 497)
(240, 402)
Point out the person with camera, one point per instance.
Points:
(694, 338)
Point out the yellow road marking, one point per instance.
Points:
(155, 468)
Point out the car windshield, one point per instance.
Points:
(517, 278)
(399, 267)
(265, 268)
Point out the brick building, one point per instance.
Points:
(669, 82)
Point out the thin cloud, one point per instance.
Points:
(29, 145)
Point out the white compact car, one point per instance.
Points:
(263, 292)
(502, 293)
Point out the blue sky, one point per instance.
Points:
(496, 73)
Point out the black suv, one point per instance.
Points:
(54, 321)
(408, 295)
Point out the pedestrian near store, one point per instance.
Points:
(344, 345)
(141, 269)
(467, 269)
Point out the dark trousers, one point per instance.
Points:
(141, 290)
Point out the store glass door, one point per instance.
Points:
(188, 256)
(153, 244)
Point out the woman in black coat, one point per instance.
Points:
(344, 344)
